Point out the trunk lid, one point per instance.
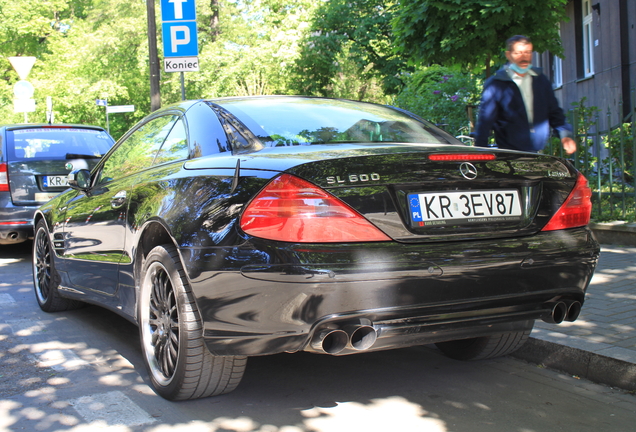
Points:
(447, 193)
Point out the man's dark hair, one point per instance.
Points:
(517, 38)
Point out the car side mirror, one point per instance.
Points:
(79, 179)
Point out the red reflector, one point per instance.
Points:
(4, 178)
(291, 209)
(14, 223)
(462, 157)
(576, 209)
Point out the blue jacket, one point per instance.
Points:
(502, 110)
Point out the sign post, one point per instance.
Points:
(104, 103)
(23, 89)
(180, 43)
(113, 109)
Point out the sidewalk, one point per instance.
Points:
(601, 344)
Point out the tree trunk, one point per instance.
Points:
(215, 30)
(488, 73)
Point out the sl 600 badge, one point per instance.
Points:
(353, 178)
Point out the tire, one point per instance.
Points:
(485, 347)
(45, 278)
(179, 364)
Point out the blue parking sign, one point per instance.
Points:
(180, 39)
(179, 28)
(178, 10)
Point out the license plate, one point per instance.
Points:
(456, 208)
(55, 181)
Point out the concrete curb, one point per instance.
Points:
(596, 361)
(615, 233)
(579, 362)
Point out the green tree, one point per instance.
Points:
(254, 47)
(349, 40)
(27, 25)
(472, 33)
(441, 95)
(103, 56)
(27, 28)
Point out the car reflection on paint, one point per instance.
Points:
(240, 227)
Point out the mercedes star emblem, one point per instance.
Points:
(468, 170)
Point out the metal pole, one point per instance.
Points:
(155, 93)
(107, 120)
(183, 95)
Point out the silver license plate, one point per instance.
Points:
(464, 207)
(55, 181)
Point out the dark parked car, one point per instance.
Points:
(241, 227)
(35, 160)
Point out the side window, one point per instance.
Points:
(175, 147)
(138, 151)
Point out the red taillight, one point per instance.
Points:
(463, 157)
(4, 178)
(576, 209)
(290, 209)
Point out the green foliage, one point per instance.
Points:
(98, 59)
(621, 143)
(441, 95)
(27, 25)
(473, 32)
(253, 54)
(349, 40)
(606, 158)
(102, 53)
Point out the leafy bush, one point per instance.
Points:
(606, 158)
(620, 143)
(441, 95)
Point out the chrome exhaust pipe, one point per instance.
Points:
(557, 314)
(361, 337)
(574, 310)
(330, 341)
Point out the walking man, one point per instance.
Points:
(518, 103)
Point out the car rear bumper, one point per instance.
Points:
(16, 222)
(287, 298)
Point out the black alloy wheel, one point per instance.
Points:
(179, 364)
(45, 278)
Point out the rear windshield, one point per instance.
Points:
(57, 143)
(305, 121)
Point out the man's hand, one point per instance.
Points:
(569, 145)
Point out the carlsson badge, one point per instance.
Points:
(468, 170)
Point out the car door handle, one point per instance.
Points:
(118, 199)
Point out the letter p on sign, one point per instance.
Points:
(179, 35)
(180, 39)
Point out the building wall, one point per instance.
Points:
(630, 36)
(614, 49)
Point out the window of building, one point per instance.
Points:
(588, 39)
(557, 68)
(557, 72)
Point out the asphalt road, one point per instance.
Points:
(82, 371)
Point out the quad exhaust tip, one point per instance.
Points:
(574, 310)
(333, 341)
(562, 311)
(330, 341)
